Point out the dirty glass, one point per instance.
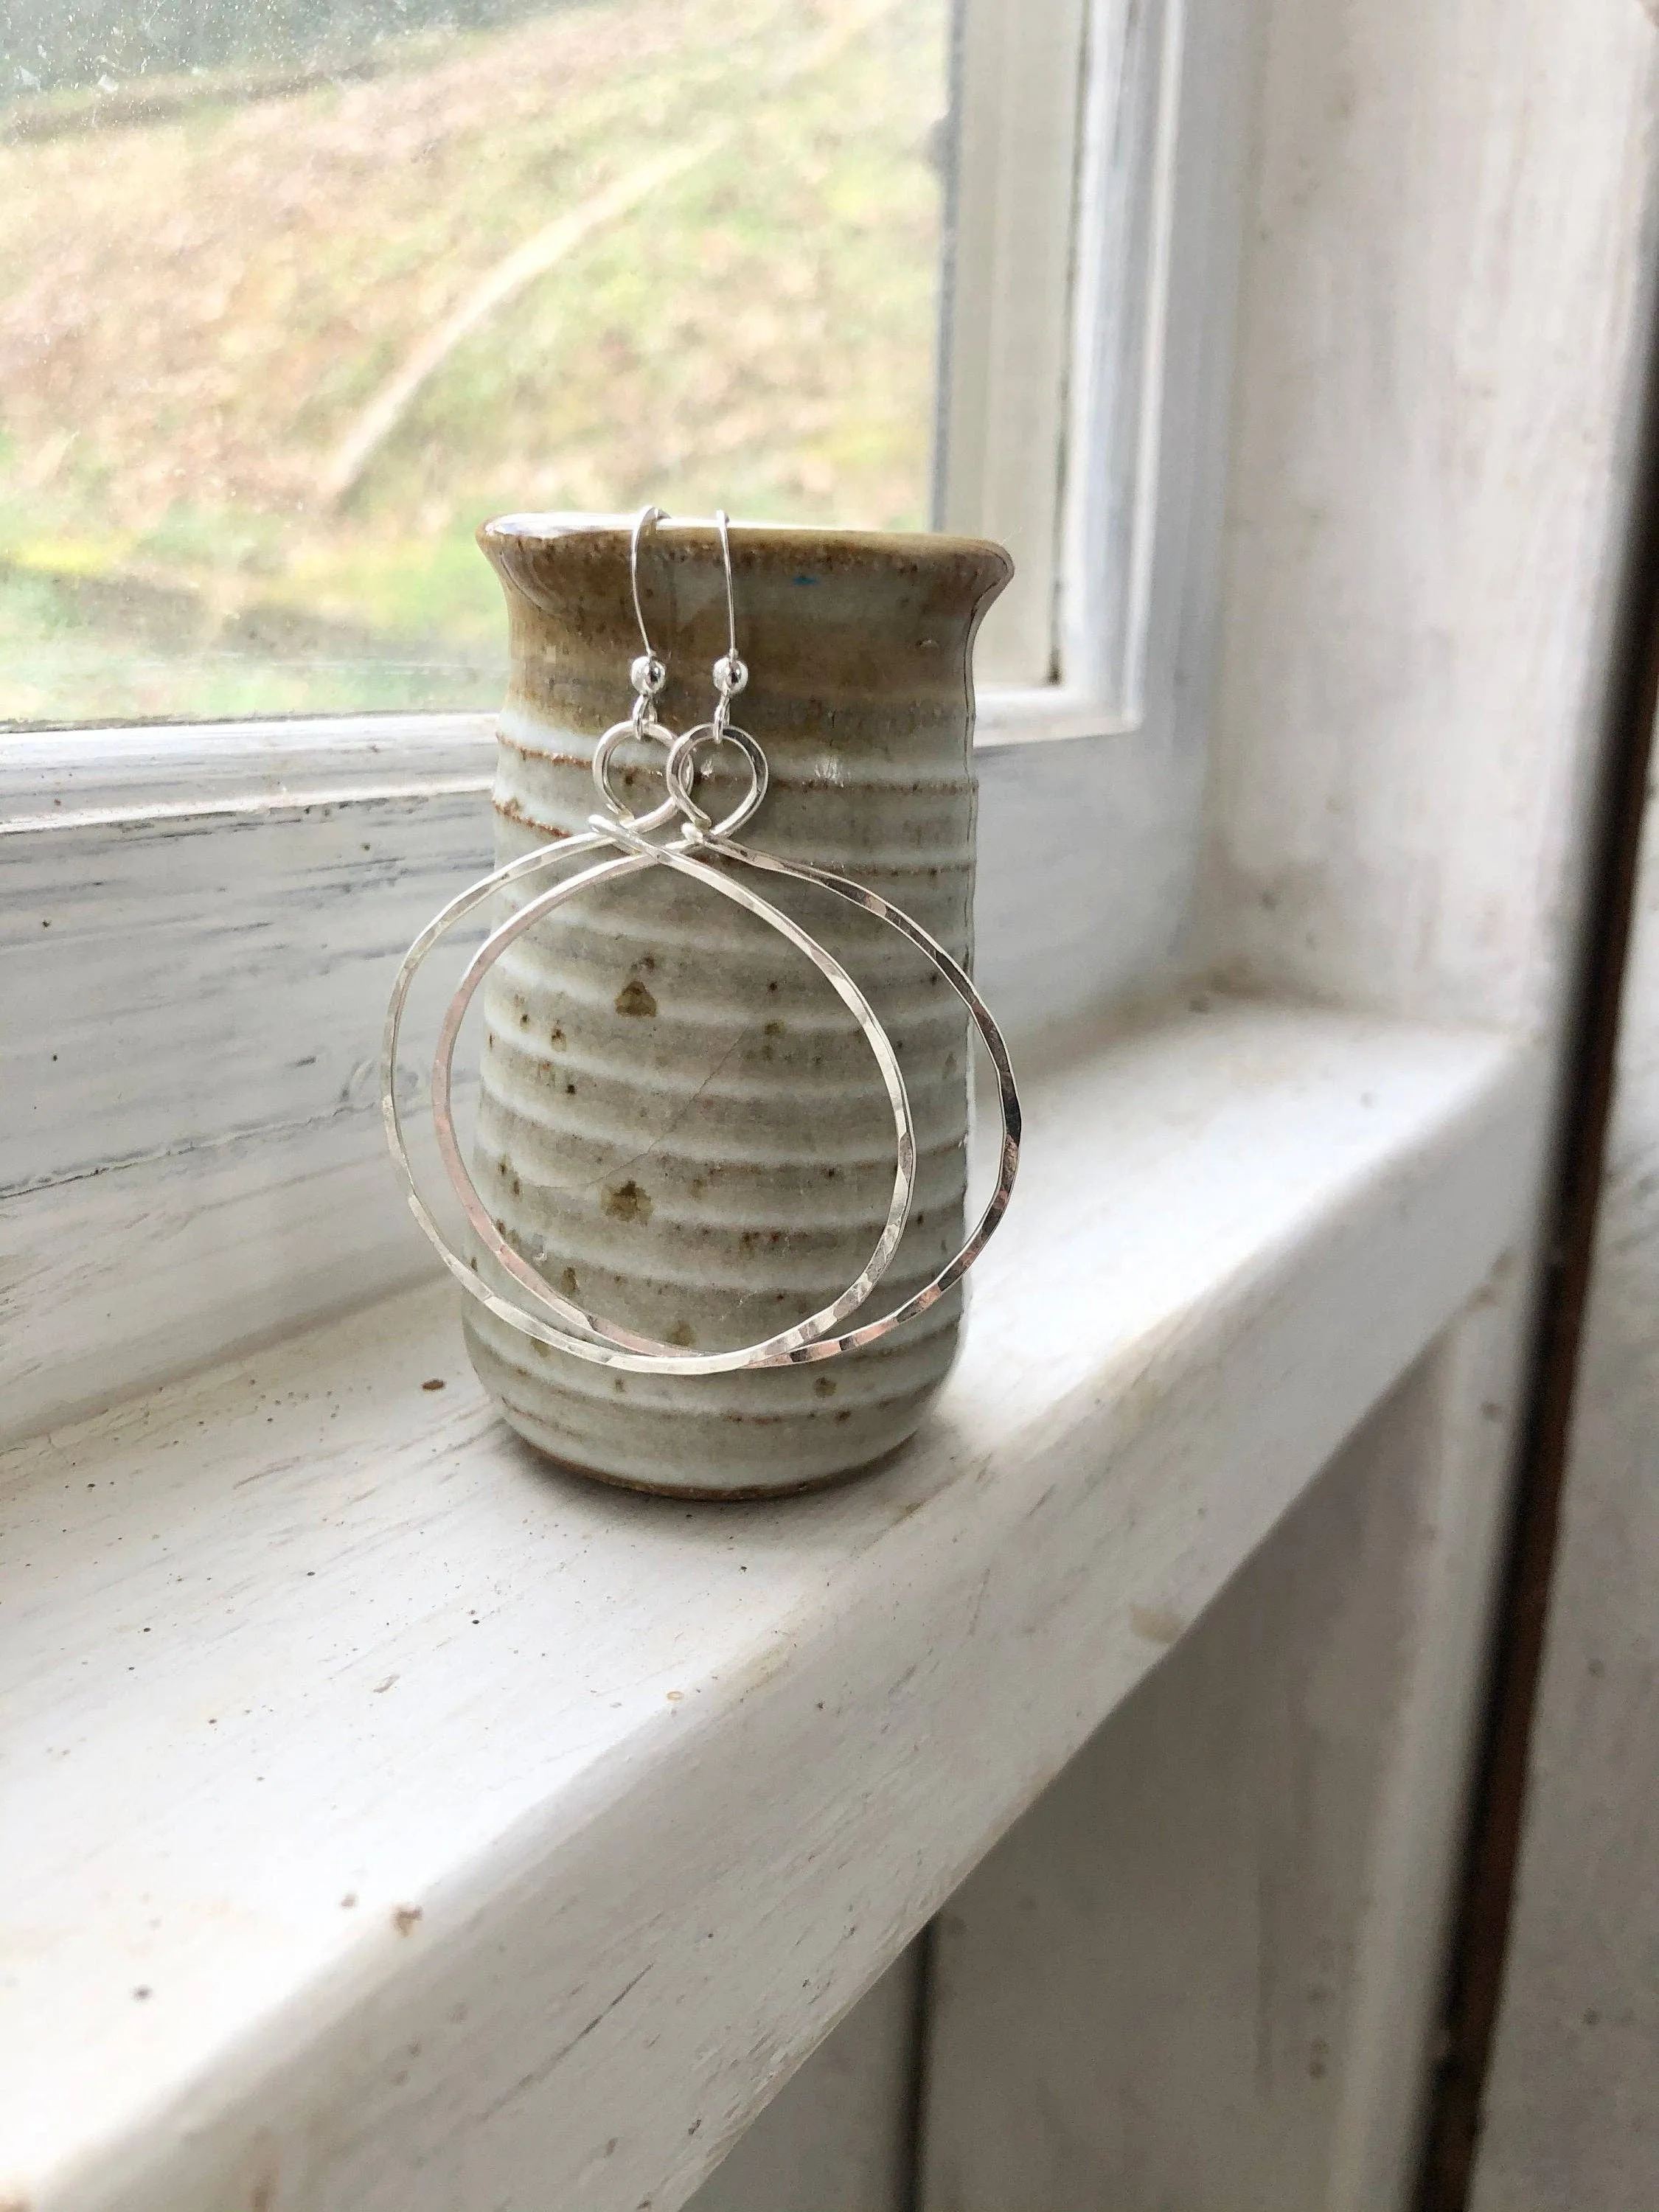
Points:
(294, 293)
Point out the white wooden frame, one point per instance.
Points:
(1447, 305)
(1053, 365)
(601, 1908)
(1006, 312)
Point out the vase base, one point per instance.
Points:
(744, 1493)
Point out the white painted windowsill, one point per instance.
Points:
(64, 779)
(398, 1824)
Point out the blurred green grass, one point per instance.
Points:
(192, 313)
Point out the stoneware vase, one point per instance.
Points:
(679, 1123)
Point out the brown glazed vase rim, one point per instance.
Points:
(786, 542)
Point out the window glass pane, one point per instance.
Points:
(294, 293)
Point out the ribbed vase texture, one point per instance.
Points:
(680, 1125)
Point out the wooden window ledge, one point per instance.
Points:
(398, 1824)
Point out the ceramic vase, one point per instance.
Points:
(679, 1123)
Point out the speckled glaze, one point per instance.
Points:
(679, 1122)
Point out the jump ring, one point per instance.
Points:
(618, 734)
(679, 774)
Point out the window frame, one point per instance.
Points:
(1052, 368)
(1401, 821)
(1054, 283)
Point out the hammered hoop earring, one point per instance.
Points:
(556, 1320)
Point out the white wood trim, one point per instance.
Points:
(1446, 313)
(1128, 176)
(622, 1851)
(1445, 1581)
(843, 2125)
(1568, 2121)
(52, 780)
(1056, 368)
(1028, 714)
(82, 778)
(191, 1155)
(1187, 1902)
(1008, 331)
(252, 805)
(1446, 303)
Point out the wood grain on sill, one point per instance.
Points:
(477, 1834)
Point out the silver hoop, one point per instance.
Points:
(587, 1336)
(604, 1342)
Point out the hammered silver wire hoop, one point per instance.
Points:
(604, 1342)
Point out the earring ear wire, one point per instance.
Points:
(647, 675)
(730, 673)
